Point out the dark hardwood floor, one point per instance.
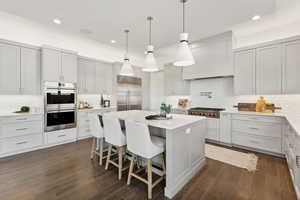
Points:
(66, 173)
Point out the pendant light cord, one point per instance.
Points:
(183, 15)
(126, 32)
(150, 29)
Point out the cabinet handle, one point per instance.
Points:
(25, 142)
(253, 118)
(254, 142)
(253, 128)
(61, 135)
(21, 119)
(21, 129)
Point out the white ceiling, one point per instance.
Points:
(108, 18)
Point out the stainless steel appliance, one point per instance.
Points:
(206, 112)
(129, 96)
(60, 106)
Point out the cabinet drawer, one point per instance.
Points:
(84, 132)
(213, 123)
(257, 128)
(22, 128)
(259, 142)
(257, 118)
(19, 119)
(20, 143)
(60, 136)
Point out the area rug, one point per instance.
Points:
(238, 159)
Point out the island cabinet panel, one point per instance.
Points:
(186, 157)
(244, 72)
(225, 128)
(9, 69)
(268, 70)
(30, 71)
(291, 68)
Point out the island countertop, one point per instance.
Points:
(177, 121)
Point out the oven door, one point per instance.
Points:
(61, 119)
(55, 97)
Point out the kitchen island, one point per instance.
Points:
(185, 137)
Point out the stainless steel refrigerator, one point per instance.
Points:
(129, 95)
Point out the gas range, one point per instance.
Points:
(206, 112)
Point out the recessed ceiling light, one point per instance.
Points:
(57, 21)
(113, 41)
(256, 17)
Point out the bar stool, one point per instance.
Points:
(140, 143)
(97, 131)
(114, 136)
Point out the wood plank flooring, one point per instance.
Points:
(66, 173)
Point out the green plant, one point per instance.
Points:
(165, 108)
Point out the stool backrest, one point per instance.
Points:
(138, 138)
(112, 131)
(95, 125)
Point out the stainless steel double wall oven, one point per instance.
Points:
(60, 105)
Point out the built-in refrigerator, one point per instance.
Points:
(129, 93)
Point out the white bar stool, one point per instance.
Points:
(114, 136)
(98, 134)
(140, 143)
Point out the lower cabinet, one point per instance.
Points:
(213, 132)
(61, 136)
(20, 134)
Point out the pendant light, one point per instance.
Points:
(184, 55)
(126, 69)
(150, 61)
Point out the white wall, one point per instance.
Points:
(22, 30)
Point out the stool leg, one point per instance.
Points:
(108, 156)
(120, 161)
(131, 169)
(101, 151)
(93, 148)
(149, 170)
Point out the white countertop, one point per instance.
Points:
(292, 118)
(176, 122)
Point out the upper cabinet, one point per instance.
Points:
(174, 84)
(30, 71)
(244, 69)
(9, 69)
(213, 57)
(94, 77)
(19, 69)
(291, 68)
(270, 68)
(59, 65)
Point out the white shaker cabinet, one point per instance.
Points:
(174, 83)
(59, 66)
(30, 71)
(225, 128)
(244, 72)
(291, 68)
(103, 78)
(9, 69)
(90, 77)
(69, 63)
(268, 70)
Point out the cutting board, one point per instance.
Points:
(251, 107)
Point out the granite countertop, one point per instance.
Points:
(291, 117)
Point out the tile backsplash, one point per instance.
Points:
(11, 103)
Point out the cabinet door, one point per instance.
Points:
(90, 77)
(291, 68)
(69, 68)
(244, 72)
(82, 64)
(108, 79)
(51, 65)
(225, 128)
(30, 71)
(100, 77)
(9, 69)
(268, 70)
